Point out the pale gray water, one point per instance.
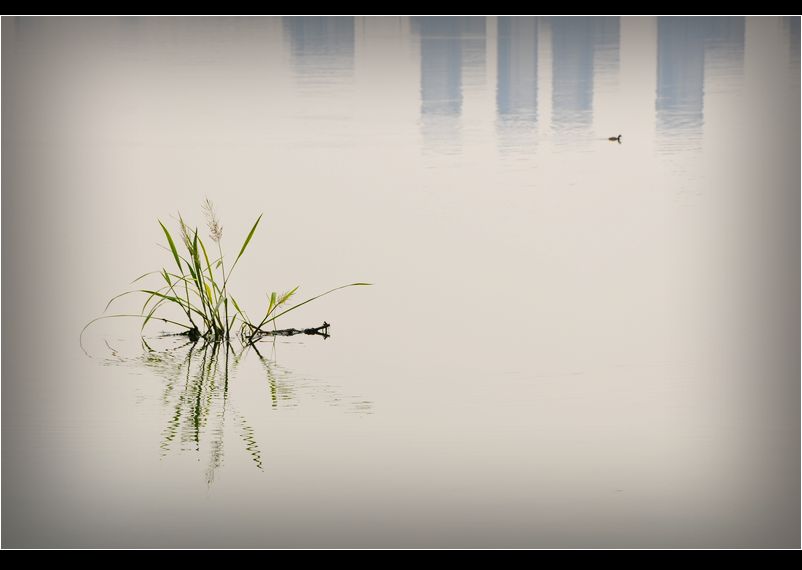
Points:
(570, 342)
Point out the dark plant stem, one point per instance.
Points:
(224, 292)
(322, 330)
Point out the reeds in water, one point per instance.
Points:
(198, 285)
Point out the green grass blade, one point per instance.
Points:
(117, 297)
(177, 300)
(191, 272)
(313, 298)
(209, 269)
(163, 296)
(90, 323)
(184, 259)
(188, 289)
(270, 307)
(150, 314)
(172, 245)
(182, 278)
(286, 297)
(143, 276)
(148, 300)
(243, 317)
(197, 272)
(275, 303)
(247, 240)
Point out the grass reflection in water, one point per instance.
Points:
(199, 378)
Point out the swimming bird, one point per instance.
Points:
(618, 138)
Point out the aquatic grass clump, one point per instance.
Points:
(198, 287)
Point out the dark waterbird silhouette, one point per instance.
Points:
(618, 138)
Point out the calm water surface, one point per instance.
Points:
(570, 341)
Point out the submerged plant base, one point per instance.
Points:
(322, 330)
